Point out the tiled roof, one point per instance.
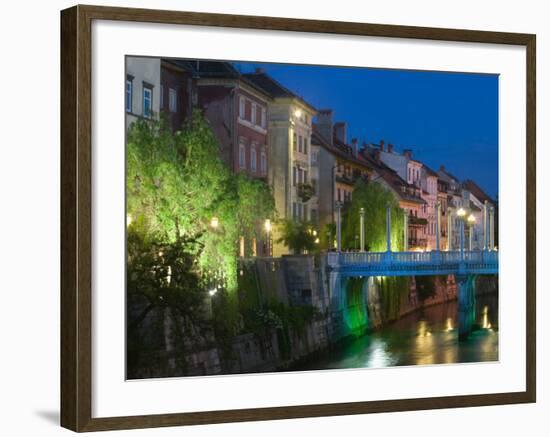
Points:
(391, 177)
(475, 189)
(340, 150)
(449, 175)
(429, 170)
(274, 88)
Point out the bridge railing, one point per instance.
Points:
(411, 258)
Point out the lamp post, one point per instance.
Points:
(485, 225)
(405, 232)
(214, 223)
(388, 228)
(437, 225)
(449, 229)
(267, 226)
(491, 228)
(471, 223)
(461, 213)
(362, 229)
(338, 206)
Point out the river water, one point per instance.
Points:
(427, 336)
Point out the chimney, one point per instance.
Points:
(377, 156)
(325, 125)
(340, 131)
(390, 148)
(441, 167)
(355, 146)
(382, 145)
(407, 153)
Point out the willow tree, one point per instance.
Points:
(373, 197)
(176, 183)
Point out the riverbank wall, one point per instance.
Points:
(288, 300)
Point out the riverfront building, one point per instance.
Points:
(289, 135)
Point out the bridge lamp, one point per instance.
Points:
(267, 226)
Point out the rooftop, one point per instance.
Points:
(274, 88)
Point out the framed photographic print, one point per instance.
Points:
(268, 218)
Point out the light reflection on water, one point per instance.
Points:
(428, 336)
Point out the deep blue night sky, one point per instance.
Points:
(446, 118)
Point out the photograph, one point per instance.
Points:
(296, 218)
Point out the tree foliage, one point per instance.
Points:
(297, 235)
(177, 182)
(374, 198)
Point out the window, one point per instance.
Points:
(294, 176)
(147, 101)
(300, 144)
(241, 107)
(313, 214)
(253, 114)
(161, 97)
(314, 158)
(129, 94)
(263, 162)
(242, 156)
(264, 118)
(253, 159)
(339, 196)
(305, 145)
(172, 100)
(294, 210)
(304, 212)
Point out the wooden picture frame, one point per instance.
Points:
(76, 217)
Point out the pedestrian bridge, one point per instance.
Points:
(475, 262)
(465, 265)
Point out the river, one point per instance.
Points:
(427, 336)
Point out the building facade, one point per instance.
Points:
(289, 135)
(142, 89)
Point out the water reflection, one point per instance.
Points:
(429, 336)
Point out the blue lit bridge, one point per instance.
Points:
(464, 265)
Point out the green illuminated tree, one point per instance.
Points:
(297, 235)
(373, 197)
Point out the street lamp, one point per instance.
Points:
(471, 221)
(128, 220)
(362, 229)
(298, 113)
(214, 222)
(461, 212)
(267, 226)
